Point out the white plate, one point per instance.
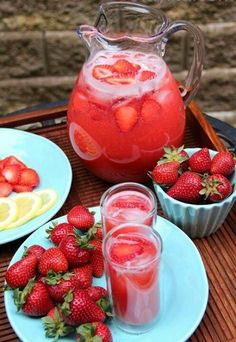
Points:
(184, 290)
(49, 161)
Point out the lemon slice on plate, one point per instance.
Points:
(8, 212)
(28, 204)
(49, 197)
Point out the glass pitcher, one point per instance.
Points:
(126, 104)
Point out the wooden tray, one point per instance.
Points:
(217, 251)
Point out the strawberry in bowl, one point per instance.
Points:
(196, 188)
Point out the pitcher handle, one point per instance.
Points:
(190, 85)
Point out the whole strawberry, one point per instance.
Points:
(53, 260)
(216, 188)
(91, 331)
(58, 231)
(187, 188)
(34, 300)
(36, 250)
(54, 324)
(82, 276)
(80, 217)
(95, 232)
(75, 254)
(178, 154)
(96, 292)
(166, 174)
(223, 162)
(200, 161)
(58, 285)
(18, 274)
(78, 308)
(96, 260)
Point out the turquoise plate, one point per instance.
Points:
(184, 290)
(51, 164)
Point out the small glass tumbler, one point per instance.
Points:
(132, 254)
(128, 202)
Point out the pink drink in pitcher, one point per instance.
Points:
(132, 258)
(123, 109)
(127, 202)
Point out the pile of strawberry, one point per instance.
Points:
(56, 283)
(122, 72)
(16, 176)
(197, 178)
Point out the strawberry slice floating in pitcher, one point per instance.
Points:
(126, 118)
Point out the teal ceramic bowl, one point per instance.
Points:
(196, 220)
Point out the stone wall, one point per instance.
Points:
(40, 53)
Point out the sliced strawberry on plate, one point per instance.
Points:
(22, 188)
(122, 66)
(29, 177)
(123, 251)
(12, 160)
(126, 118)
(150, 109)
(121, 79)
(11, 173)
(5, 189)
(147, 75)
(102, 71)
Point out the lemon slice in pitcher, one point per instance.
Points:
(8, 212)
(28, 205)
(49, 198)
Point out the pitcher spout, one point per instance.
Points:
(87, 33)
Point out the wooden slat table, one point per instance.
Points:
(217, 251)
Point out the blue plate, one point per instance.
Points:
(183, 281)
(51, 164)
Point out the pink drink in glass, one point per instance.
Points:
(128, 202)
(123, 109)
(132, 261)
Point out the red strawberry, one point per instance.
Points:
(58, 285)
(18, 274)
(22, 188)
(80, 217)
(200, 161)
(96, 292)
(57, 232)
(175, 154)
(150, 110)
(78, 308)
(36, 250)
(147, 75)
(122, 252)
(166, 174)
(5, 189)
(34, 300)
(75, 254)
(93, 331)
(223, 162)
(53, 260)
(216, 188)
(54, 324)
(122, 66)
(11, 173)
(187, 188)
(12, 160)
(121, 79)
(102, 71)
(97, 257)
(29, 177)
(82, 276)
(126, 118)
